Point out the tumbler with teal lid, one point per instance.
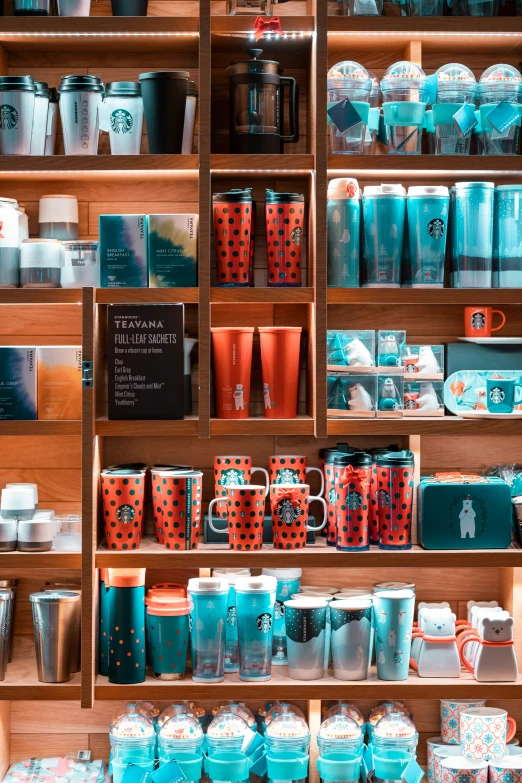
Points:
(404, 95)
(167, 623)
(394, 741)
(384, 210)
(179, 735)
(231, 644)
(288, 732)
(349, 81)
(288, 583)
(133, 741)
(473, 234)
(255, 600)
(370, 137)
(207, 625)
(508, 235)
(499, 83)
(428, 217)
(226, 732)
(127, 660)
(344, 218)
(456, 86)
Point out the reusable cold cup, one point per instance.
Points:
(31, 7)
(226, 732)
(348, 81)
(428, 217)
(17, 101)
(180, 734)
(497, 84)
(231, 641)
(41, 109)
(244, 514)
(74, 7)
(456, 86)
(164, 101)
(180, 498)
(404, 96)
(393, 622)
(233, 229)
(353, 474)
(255, 601)
(133, 741)
(127, 625)
(129, 7)
(123, 500)
(123, 114)
(54, 620)
(344, 218)
(394, 741)
(167, 624)
(384, 210)
(351, 621)
(233, 471)
(280, 353)
(340, 738)
(288, 583)
(473, 234)
(305, 620)
(190, 119)
(508, 233)
(284, 237)
(80, 100)
(208, 619)
(395, 485)
(232, 354)
(289, 504)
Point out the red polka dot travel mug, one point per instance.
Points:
(123, 496)
(352, 497)
(395, 486)
(180, 500)
(284, 237)
(289, 504)
(232, 231)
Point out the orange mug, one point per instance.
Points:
(478, 321)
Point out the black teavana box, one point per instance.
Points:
(145, 361)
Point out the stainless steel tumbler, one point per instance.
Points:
(55, 619)
(10, 584)
(6, 614)
(51, 587)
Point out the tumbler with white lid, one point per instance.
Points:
(404, 95)
(499, 83)
(231, 642)
(473, 234)
(349, 80)
(384, 210)
(428, 217)
(17, 102)
(288, 583)
(58, 217)
(456, 86)
(208, 628)
(255, 600)
(288, 732)
(80, 99)
(180, 733)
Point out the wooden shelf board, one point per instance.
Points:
(302, 425)
(21, 680)
(258, 165)
(261, 295)
(244, 24)
(18, 296)
(153, 555)
(138, 295)
(423, 296)
(431, 166)
(281, 686)
(100, 167)
(49, 560)
(419, 425)
(40, 427)
(141, 428)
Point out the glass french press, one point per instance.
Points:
(263, 7)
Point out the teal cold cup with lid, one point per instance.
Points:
(207, 624)
(231, 640)
(287, 732)
(255, 601)
(180, 734)
(288, 583)
(456, 86)
(344, 219)
(472, 234)
(384, 209)
(428, 217)
(394, 742)
(499, 83)
(133, 741)
(349, 80)
(507, 233)
(226, 733)
(404, 97)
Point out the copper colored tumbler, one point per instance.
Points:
(232, 353)
(280, 370)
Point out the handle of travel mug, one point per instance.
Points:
(318, 470)
(323, 501)
(496, 328)
(267, 479)
(293, 107)
(511, 728)
(465, 638)
(215, 529)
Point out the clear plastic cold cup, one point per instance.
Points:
(424, 7)
(370, 136)
(473, 234)
(255, 602)
(226, 732)
(404, 96)
(133, 741)
(498, 83)
(181, 733)
(394, 741)
(207, 628)
(507, 234)
(456, 85)
(340, 733)
(384, 209)
(349, 80)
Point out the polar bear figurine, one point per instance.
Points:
(467, 519)
(358, 354)
(239, 398)
(427, 399)
(427, 362)
(359, 400)
(266, 395)
(496, 661)
(416, 643)
(438, 658)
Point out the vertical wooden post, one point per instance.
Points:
(4, 61)
(413, 52)
(414, 444)
(314, 721)
(510, 598)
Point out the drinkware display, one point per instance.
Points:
(231, 575)
(384, 210)
(428, 217)
(393, 622)
(352, 497)
(289, 503)
(394, 741)
(349, 81)
(167, 624)
(40, 263)
(6, 620)
(233, 230)
(404, 95)
(305, 619)
(456, 86)
(226, 732)
(507, 233)
(289, 732)
(351, 621)
(284, 237)
(58, 217)
(52, 122)
(288, 583)
(180, 734)
(232, 362)
(280, 354)
(190, 119)
(74, 7)
(255, 602)
(31, 7)
(233, 471)
(17, 102)
(123, 499)
(164, 102)
(497, 84)
(473, 235)
(41, 110)
(133, 741)
(208, 618)
(257, 106)
(127, 625)
(9, 243)
(123, 113)
(129, 7)
(343, 232)
(80, 100)
(244, 514)
(54, 620)
(80, 265)
(395, 485)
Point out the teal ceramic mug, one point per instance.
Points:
(502, 395)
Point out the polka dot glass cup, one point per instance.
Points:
(245, 514)
(122, 507)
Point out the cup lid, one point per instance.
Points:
(394, 595)
(178, 708)
(127, 577)
(133, 726)
(340, 727)
(352, 603)
(394, 586)
(386, 708)
(181, 727)
(403, 71)
(344, 188)
(164, 75)
(283, 573)
(207, 585)
(256, 584)
(80, 82)
(501, 74)
(306, 602)
(126, 89)
(288, 726)
(17, 83)
(42, 90)
(227, 725)
(428, 190)
(54, 597)
(454, 74)
(345, 708)
(192, 88)
(508, 188)
(273, 197)
(474, 185)
(351, 74)
(395, 458)
(358, 459)
(236, 707)
(395, 726)
(279, 329)
(233, 197)
(384, 190)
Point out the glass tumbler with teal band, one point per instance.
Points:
(349, 81)
(133, 741)
(180, 734)
(500, 83)
(395, 740)
(288, 583)
(231, 642)
(127, 660)
(287, 732)
(456, 86)
(207, 625)
(167, 623)
(255, 600)
(226, 732)
(341, 733)
(404, 96)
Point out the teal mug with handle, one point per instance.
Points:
(502, 394)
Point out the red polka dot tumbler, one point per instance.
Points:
(352, 498)
(123, 498)
(395, 486)
(284, 237)
(232, 232)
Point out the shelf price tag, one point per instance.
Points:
(465, 119)
(413, 773)
(502, 116)
(344, 115)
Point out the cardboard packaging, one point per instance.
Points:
(59, 382)
(18, 375)
(145, 361)
(123, 251)
(173, 251)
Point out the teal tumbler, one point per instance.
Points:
(384, 210)
(127, 661)
(167, 623)
(207, 624)
(428, 217)
(344, 218)
(255, 599)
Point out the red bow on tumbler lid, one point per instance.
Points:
(262, 26)
(293, 494)
(350, 474)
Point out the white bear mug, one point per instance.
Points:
(484, 732)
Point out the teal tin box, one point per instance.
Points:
(457, 511)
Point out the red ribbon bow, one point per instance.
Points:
(262, 26)
(293, 494)
(350, 473)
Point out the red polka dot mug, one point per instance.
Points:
(290, 514)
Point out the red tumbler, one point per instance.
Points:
(233, 232)
(284, 237)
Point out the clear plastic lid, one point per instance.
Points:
(348, 710)
(282, 708)
(403, 71)
(288, 726)
(236, 709)
(386, 708)
(501, 74)
(132, 726)
(181, 727)
(350, 72)
(145, 708)
(454, 73)
(395, 726)
(179, 708)
(227, 725)
(340, 727)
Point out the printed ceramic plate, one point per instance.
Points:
(488, 415)
(491, 340)
(465, 390)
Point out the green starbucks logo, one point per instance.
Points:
(354, 500)
(232, 478)
(8, 117)
(125, 514)
(121, 121)
(287, 476)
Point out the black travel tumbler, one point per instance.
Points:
(129, 7)
(164, 99)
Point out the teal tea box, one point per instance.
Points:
(173, 251)
(123, 251)
(18, 383)
(456, 511)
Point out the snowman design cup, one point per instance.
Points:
(484, 732)
(450, 718)
(292, 469)
(245, 515)
(289, 504)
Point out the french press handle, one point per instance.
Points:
(293, 107)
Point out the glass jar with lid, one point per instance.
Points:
(80, 265)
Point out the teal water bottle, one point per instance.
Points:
(344, 218)
(127, 662)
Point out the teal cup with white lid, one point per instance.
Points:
(456, 86)
(288, 583)
(349, 81)
(383, 211)
(133, 741)
(428, 217)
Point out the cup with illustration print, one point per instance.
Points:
(289, 503)
(245, 514)
(232, 471)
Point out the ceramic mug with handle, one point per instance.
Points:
(484, 732)
(290, 504)
(450, 710)
(478, 321)
(292, 469)
(232, 471)
(245, 513)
